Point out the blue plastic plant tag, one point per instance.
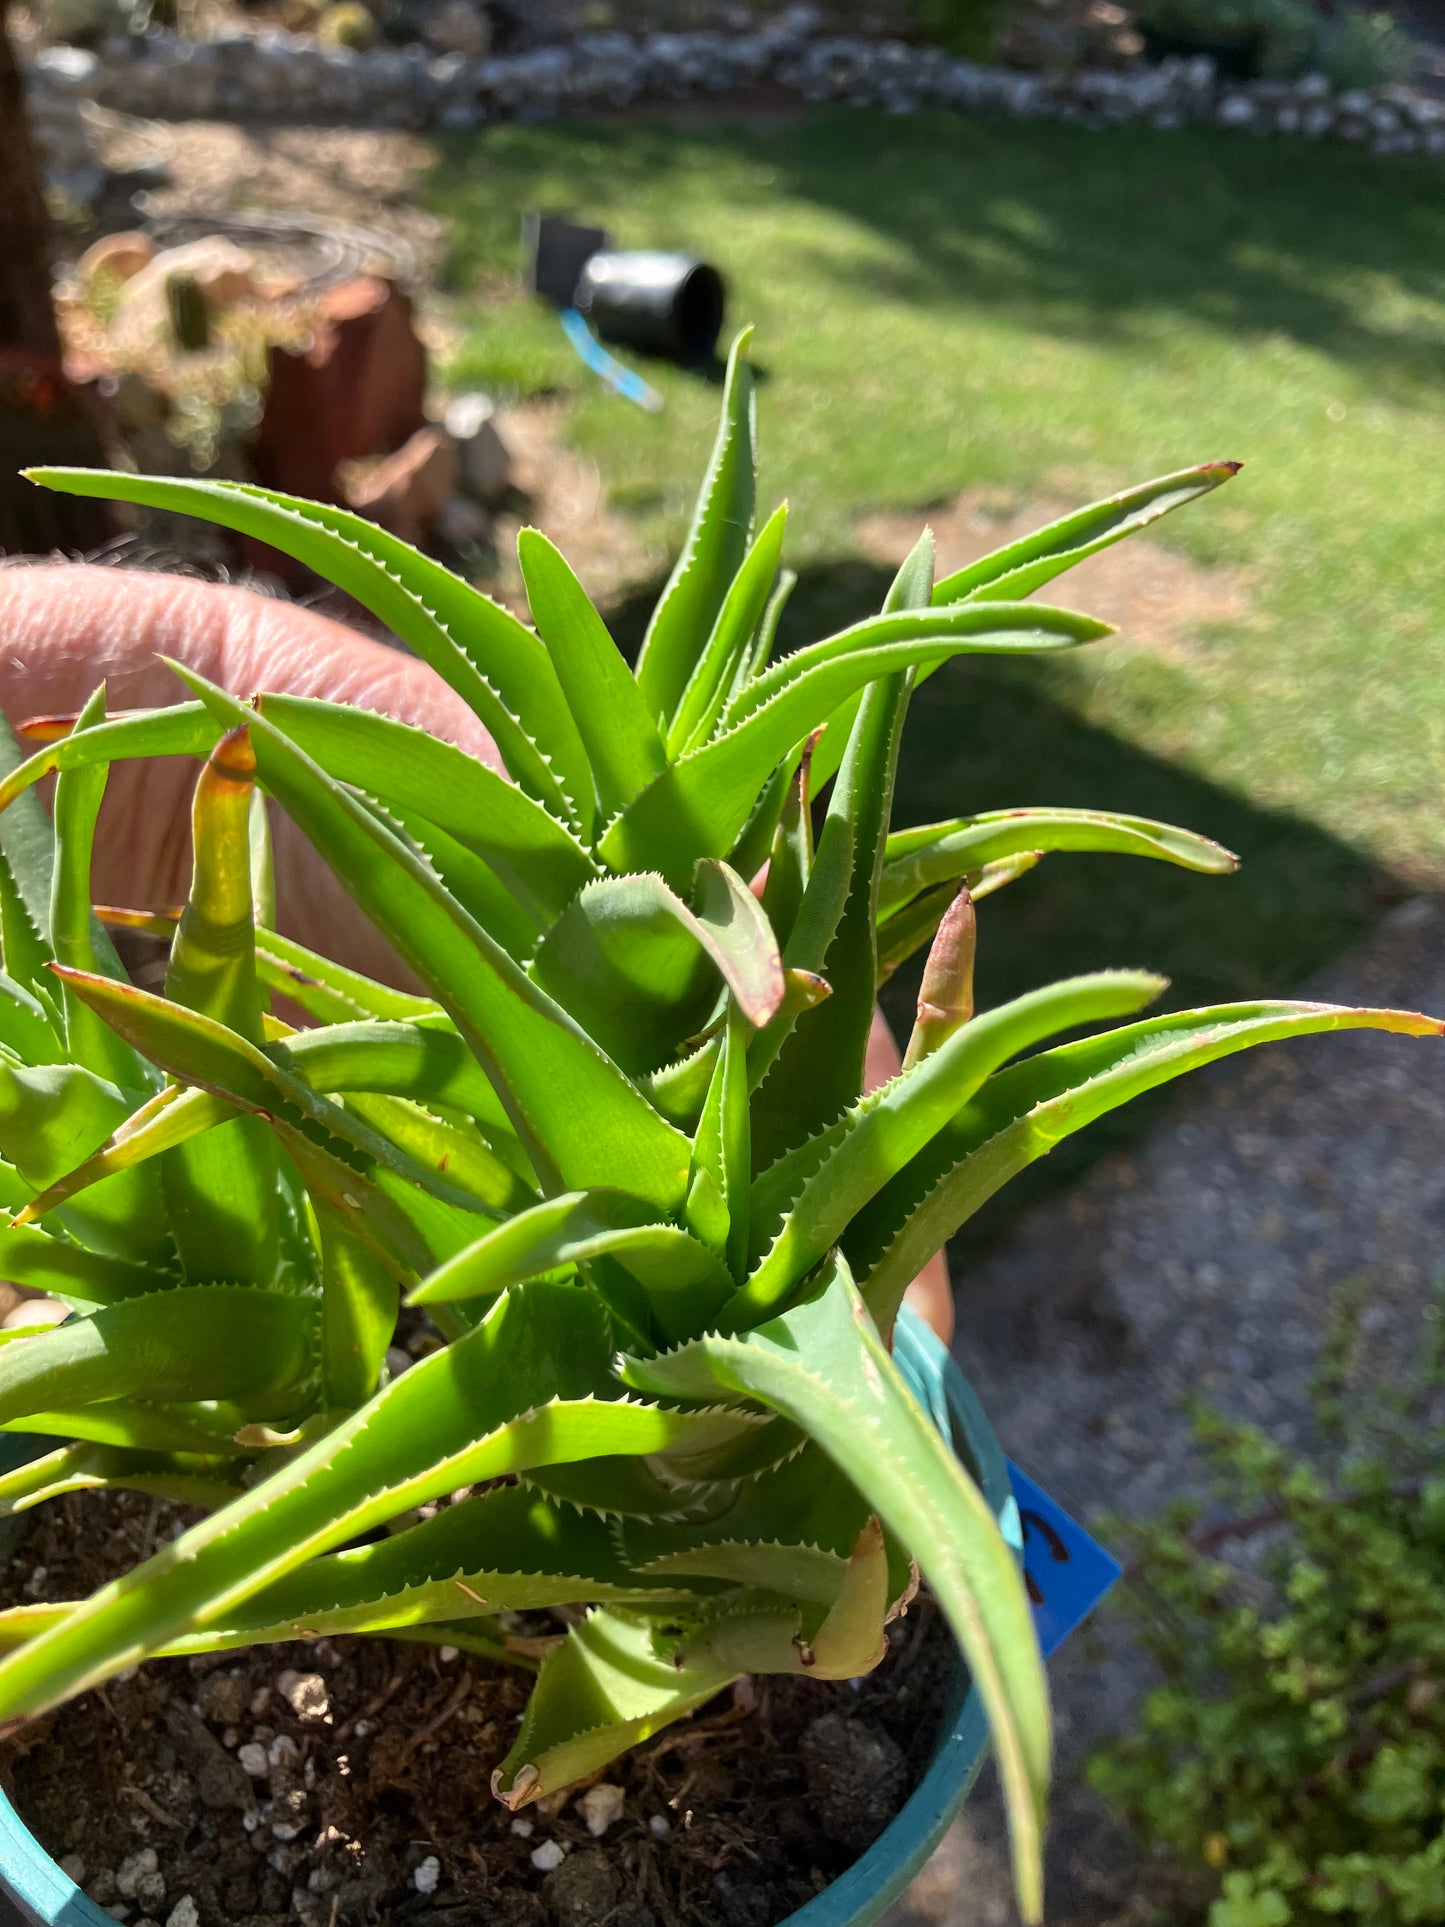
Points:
(1067, 1572)
(627, 384)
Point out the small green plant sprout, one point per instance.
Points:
(620, 1149)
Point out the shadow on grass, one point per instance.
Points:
(1067, 230)
(990, 733)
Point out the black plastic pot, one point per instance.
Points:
(665, 304)
(1236, 56)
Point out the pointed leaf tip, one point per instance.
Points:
(233, 756)
(47, 729)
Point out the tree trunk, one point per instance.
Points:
(43, 417)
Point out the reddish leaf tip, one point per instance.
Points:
(47, 729)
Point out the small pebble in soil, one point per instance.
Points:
(659, 1826)
(446, 1654)
(73, 1867)
(856, 1776)
(252, 1757)
(184, 1914)
(398, 1361)
(602, 1807)
(583, 1891)
(305, 1693)
(524, 1829)
(427, 1875)
(135, 1868)
(283, 1751)
(548, 1856)
(223, 1698)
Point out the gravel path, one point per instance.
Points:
(1204, 1263)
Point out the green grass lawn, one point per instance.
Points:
(946, 302)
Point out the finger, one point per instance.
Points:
(64, 628)
(931, 1293)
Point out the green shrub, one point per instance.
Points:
(1361, 50)
(1350, 49)
(1294, 1755)
(966, 27)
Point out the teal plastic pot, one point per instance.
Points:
(37, 1893)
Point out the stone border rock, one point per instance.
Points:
(275, 76)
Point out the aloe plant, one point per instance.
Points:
(618, 1147)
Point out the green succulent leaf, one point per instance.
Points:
(806, 1201)
(75, 936)
(359, 1300)
(805, 1511)
(534, 854)
(494, 663)
(61, 1268)
(1023, 1112)
(822, 1365)
(581, 1120)
(839, 1637)
(220, 1187)
(186, 729)
(914, 924)
(206, 1428)
(728, 648)
(196, 1342)
(639, 969)
(1024, 566)
(711, 556)
(471, 883)
(761, 652)
(623, 747)
(520, 1390)
(606, 1688)
(718, 1202)
(937, 853)
(682, 1280)
(819, 1070)
(96, 1468)
(699, 806)
(27, 862)
(506, 1550)
(329, 991)
(27, 1027)
(52, 1117)
(356, 1169)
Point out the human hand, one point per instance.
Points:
(66, 627)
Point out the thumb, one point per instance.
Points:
(64, 628)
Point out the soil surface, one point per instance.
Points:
(342, 1782)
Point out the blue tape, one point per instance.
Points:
(1068, 1572)
(590, 350)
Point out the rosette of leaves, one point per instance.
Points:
(620, 1147)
